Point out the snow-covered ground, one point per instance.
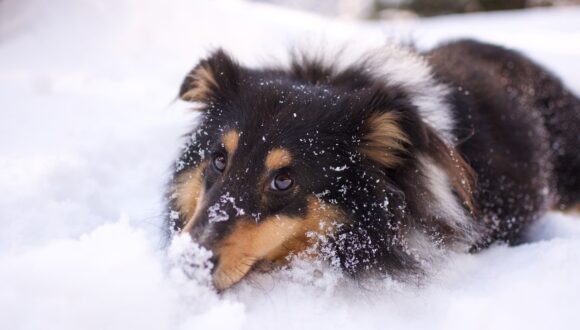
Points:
(89, 128)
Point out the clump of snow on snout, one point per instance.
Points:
(218, 214)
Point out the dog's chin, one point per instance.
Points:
(231, 272)
(224, 278)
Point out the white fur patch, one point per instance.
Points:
(422, 248)
(403, 67)
(397, 65)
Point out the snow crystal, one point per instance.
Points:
(173, 215)
(339, 168)
(216, 212)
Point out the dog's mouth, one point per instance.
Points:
(251, 244)
(270, 243)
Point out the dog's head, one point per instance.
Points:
(282, 158)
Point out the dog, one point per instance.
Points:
(377, 166)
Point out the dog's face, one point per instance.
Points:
(280, 159)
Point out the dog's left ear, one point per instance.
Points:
(211, 78)
(383, 139)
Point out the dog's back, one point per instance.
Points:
(518, 127)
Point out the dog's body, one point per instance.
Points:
(378, 166)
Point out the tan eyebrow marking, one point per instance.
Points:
(278, 158)
(230, 141)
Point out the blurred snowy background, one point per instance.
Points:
(405, 9)
(90, 125)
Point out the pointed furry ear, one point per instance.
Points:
(383, 140)
(213, 75)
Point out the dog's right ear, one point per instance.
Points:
(211, 78)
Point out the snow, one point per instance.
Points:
(90, 127)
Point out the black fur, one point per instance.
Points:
(521, 129)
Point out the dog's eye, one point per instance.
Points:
(219, 162)
(281, 182)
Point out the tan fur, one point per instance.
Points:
(463, 180)
(385, 141)
(278, 158)
(203, 81)
(272, 239)
(460, 173)
(230, 141)
(188, 191)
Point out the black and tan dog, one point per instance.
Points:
(378, 166)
